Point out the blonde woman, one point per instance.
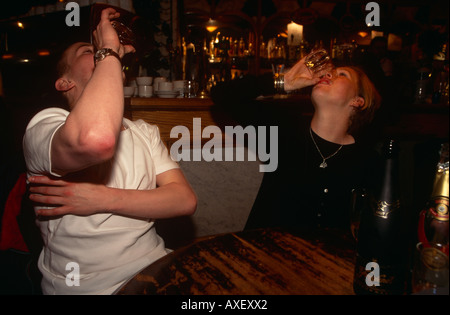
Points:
(317, 172)
(320, 160)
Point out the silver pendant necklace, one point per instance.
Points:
(324, 159)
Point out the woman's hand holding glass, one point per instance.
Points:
(299, 76)
(309, 70)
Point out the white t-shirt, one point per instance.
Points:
(107, 249)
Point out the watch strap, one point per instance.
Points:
(105, 52)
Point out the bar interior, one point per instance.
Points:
(185, 50)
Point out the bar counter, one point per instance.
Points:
(167, 113)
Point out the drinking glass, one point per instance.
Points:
(190, 89)
(318, 62)
(123, 24)
(358, 203)
(430, 270)
(126, 36)
(278, 77)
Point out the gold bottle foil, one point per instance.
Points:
(440, 194)
(441, 183)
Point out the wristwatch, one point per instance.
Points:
(105, 52)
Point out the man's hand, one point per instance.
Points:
(105, 36)
(173, 197)
(67, 197)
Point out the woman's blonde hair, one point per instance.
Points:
(372, 100)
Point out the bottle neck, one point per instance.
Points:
(387, 194)
(441, 183)
(389, 185)
(440, 195)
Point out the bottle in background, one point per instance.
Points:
(422, 82)
(433, 220)
(381, 248)
(440, 77)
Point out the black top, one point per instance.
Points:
(299, 194)
(302, 194)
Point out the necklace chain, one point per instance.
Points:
(324, 163)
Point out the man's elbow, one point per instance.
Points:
(190, 203)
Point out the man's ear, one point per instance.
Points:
(358, 102)
(64, 85)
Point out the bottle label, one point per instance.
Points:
(440, 209)
(434, 259)
(383, 208)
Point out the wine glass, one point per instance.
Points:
(359, 201)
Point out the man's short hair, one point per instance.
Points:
(62, 65)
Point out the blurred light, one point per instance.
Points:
(8, 56)
(20, 24)
(211, 25)
(376, 34)
(43, 52)
(25, 60)
(211, 28)
(363, 34)
(294, 34)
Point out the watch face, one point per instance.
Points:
(101, 54)
(104, 52)
(97, 55)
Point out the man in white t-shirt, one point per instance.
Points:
(113, 176)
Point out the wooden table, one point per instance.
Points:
(268, 261)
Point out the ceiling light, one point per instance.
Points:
(211, 25)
